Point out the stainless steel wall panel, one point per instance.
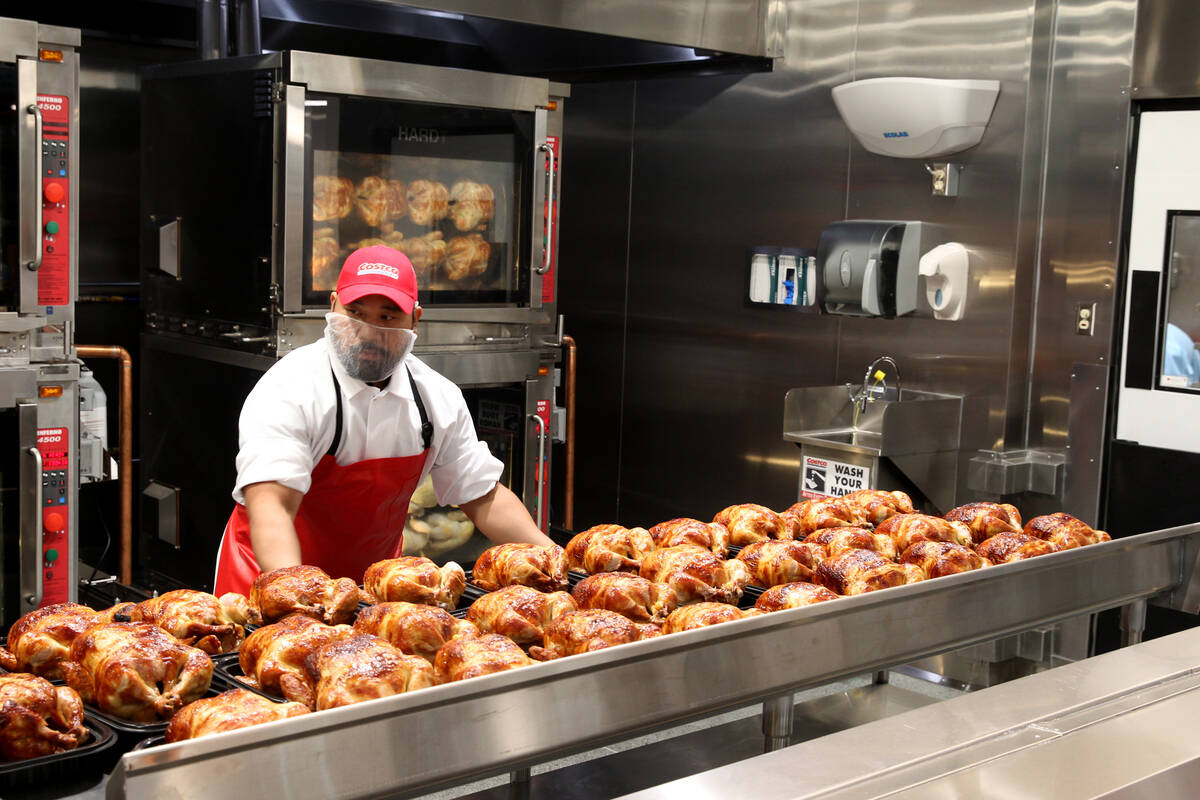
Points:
(1166, 60)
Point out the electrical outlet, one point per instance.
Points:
(1085, 319)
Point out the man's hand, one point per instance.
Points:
(271, 508)
(502, 517)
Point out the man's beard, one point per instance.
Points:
(367, 352)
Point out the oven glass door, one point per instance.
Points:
(448, 186)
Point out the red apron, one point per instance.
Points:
(351, 516)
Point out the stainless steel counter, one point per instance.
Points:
(1121, 725)
(457, 732)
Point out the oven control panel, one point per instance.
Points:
(54, 447)
(54, 276)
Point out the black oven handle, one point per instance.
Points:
(32, 500)
(547, 254)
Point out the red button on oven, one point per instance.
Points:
(54, 192)
(54, 521)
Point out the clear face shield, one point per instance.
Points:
(367, 352)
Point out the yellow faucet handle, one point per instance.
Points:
(879, 375)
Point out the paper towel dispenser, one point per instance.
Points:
(869, 267)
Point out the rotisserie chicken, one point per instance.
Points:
(228, 711)
(40, 640)
(1005, 547)
(709, 535)
(380, 200)
(136, 671)
(1064, 531)
(198, 619)
(38, 718)
(904, 529)
(542, 567)
(839, 540)
(363, 667)
(803, 518)
(774, 562)
(589, 629)
(985, 520)
(631, 596)
(942, 558)
(519, 612)
(701, 615)
(859, 571)
(748, 523)
(418, 630)
(875, 506)
(481, 655)
(303, 590)
(415, 579)
(425, 252)
(272, 658)
(333, 197)
(471, 204)
(696, 574)
(428, 202)
(467, 256)
(609, 548)
(325, 261)
(793, 595)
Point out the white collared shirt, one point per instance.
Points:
(288, 420)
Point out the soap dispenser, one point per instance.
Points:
(945, 271)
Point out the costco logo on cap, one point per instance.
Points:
(378, 270)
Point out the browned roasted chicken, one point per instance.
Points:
(904, 529)
(985, 520)
(859, 571)
(333, 197)
(325, 261)
(303, 590)
(542, 567)
(467, 256)
(748, 523)
(589, 629)
(774, 562)
(363, 667)
(40, 640)
(630, 596)
(418, 630)
(942, 558)
(272, 658)
(793, 595)
(701, 615)
(428, 202)
(136, 671)
(807, 516)
(228, 711)
(709, 535)
(609, 548)
(839, 540)
(198, 619)
(415, 579)
(519, 612)
(1064, 531)
(471, 204)
(696, 574)
(1005, 547)
(380, 200)
(425, 252)
(875, 506)
(38, 718)
(481, 655)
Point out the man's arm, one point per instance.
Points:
(271, 508)
(502, 517)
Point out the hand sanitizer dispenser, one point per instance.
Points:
(945, 271)
(869, 267)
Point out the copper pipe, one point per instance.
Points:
(569, 503)
(124, 446)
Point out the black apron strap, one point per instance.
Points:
(426, 425)
(337, 430)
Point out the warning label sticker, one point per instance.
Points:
(823, 477)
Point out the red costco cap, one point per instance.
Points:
(378, 270)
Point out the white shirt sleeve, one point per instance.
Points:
(464, 469)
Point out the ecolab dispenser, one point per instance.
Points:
(868, 268)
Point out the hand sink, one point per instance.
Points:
(891, 424)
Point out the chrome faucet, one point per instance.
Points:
(865, 393)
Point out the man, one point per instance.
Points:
(337, 435)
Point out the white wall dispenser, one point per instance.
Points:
(945, 270)
(916, 117)
(869, 267)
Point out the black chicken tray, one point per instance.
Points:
(229, 672)
(750, 596)
(80, 766)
